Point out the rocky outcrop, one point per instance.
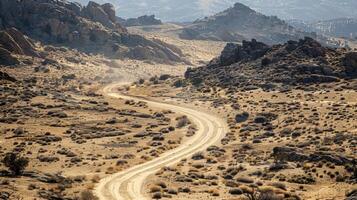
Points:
(293, 64)
(294, 155)
(234, 53)
(6, 58)
(242, 23)
(13, 41)
(9, 43)
(146, 20)
(92, 28)
(104, 14)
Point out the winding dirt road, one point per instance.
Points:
(128, 184)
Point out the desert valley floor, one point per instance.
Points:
(94, 127)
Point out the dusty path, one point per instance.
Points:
(128, 184)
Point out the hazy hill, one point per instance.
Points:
(341, 27)
(242, 23)
(189, 10)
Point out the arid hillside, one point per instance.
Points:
(240, 23)
(92, 29)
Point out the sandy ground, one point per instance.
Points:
(129, 184)
(91, 136)
(257, 158)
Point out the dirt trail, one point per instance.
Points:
(128, 184)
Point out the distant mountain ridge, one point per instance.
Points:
(190, 10)
(240, 23)
(341, 27)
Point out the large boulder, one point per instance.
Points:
(145, 20)
(249, 50)
(13, 41)
(6, 58)
(23, 42)
(8, 43)
(110, 10)
(104, 14)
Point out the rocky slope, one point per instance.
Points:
(92, 28)
(256, 65)
(242, 23)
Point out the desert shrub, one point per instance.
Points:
(196, 81)
(277, 166)
(261, 193)
(178, 83)
(198, 156)
(235, 191)
(302, 179)
(162, 184)
(154, 80)
(31, 186)
(164, 77)
(241, 117)
(15, 163)
(88, 195)
(266, 61)
(157, 195)
(184, 190)
(95, 179)
(172, 191)
(155, 189)
(214, 193)
(268, 196)
(141, 81)
(182, 122)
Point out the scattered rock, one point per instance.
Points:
(141, 21)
